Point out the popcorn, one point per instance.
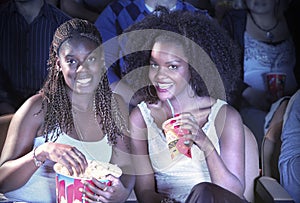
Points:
(96, 169)
(68, 187)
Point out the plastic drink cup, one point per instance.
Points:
(276, 83)
(67, 187)
(175, 140)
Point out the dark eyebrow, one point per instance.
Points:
(168, 62)
(176, 60)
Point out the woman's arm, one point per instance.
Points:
(17, 163)
(228, 169)
(145, 182)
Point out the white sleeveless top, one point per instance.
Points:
(40, 188)
(175, 178)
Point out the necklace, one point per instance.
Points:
(90, 119)
(269, 34)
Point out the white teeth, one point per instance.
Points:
(165, 85)
(83, 81)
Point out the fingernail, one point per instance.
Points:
(172, 121)
(176, 126)
(186, 142)
(176, 114)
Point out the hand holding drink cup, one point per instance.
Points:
(178, 131)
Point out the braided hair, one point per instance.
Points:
(219, 57)
(56, 103)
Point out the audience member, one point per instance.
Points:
(185, 81)
(289, 159)
(262, 31)
(75, 117)
(27, 28)
(84, 9)
(118, 16)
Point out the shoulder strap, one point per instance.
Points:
(146, 113)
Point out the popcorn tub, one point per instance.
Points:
(67, 186)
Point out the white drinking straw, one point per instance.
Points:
(171, 107)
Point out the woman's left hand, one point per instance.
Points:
(194, 126)
(101, 192)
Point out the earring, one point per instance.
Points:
(150, 92)
(58, 70)
(193, 91)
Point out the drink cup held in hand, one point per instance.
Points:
(176, 141)
(276, 83)
(67, 186)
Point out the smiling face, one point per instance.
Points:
(169, 70)
(82, 64)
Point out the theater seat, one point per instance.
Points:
(251, 164)
(4, 123)
(268, 188)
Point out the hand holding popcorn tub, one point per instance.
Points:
(68, 187)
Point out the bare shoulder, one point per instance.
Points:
(24, 127)
(228, 119)
(31, 108)
(136, 118)
(229, 112)
(35, 101)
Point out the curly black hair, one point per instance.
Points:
(57, 104)
(214, 59)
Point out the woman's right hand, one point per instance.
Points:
(67, 155)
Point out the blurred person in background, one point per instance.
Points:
(27, 28)
(289, 159)
(263, 32)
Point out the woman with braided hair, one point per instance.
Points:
(75, 117)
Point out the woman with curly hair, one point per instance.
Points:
(75, 117)
(187, 142)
